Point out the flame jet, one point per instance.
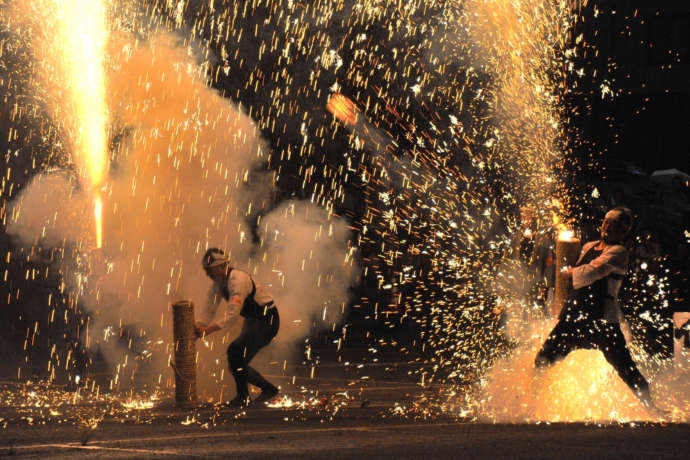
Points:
(81, 39)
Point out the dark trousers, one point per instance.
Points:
(568, 336)
(256, 334)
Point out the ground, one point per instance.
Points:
(265, 434)
(373, 421)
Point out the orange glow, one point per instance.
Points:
(343, 109)
(585, 387)
(565, 235)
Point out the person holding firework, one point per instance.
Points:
(234, 291)
(590, 317)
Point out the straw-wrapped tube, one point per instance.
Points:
(185, 354)
(567, 253)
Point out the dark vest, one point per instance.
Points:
(588, 302)
(250, 308)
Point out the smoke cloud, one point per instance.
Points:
(183, 177)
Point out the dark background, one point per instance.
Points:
(641, 49)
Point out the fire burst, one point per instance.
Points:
(80, 40)
(470, 95)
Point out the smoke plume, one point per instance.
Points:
(183, 177)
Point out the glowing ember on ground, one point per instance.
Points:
(281, 402)
(287, 402)
(140, 403)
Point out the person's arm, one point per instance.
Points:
(202, 329)
(239, 287)
(206, 325)
(612, 260)
(568, 271)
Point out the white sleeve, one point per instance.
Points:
(217, 310)
(226, 314)
(239, 285)
(613, 260)
(211, 307)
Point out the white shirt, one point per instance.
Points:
(612, 260)
(240, 287)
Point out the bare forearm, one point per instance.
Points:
(203, 329)
(213, 327)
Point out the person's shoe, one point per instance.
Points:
(265, 396)
(239, 402)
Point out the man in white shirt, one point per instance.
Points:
(590, 318)
(234, 291)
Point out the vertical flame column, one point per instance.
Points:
(80, 42)
(567, 253)
(185, 354)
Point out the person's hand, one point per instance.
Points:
(202, 329)
(567, 272)
(199, 329)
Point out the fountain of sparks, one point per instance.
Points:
(81, 40)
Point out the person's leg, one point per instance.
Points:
(555, 348)
(258, 380)
(560, 342)
(269, 329)
(612, 345)
(240, 352)
(618, 355)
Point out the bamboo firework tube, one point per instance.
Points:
(567, 253)
(185, 354)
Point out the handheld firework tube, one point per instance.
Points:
(567, 253)
(185, 354)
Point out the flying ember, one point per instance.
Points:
(343, 109)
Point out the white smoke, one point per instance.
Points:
(183, 178)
